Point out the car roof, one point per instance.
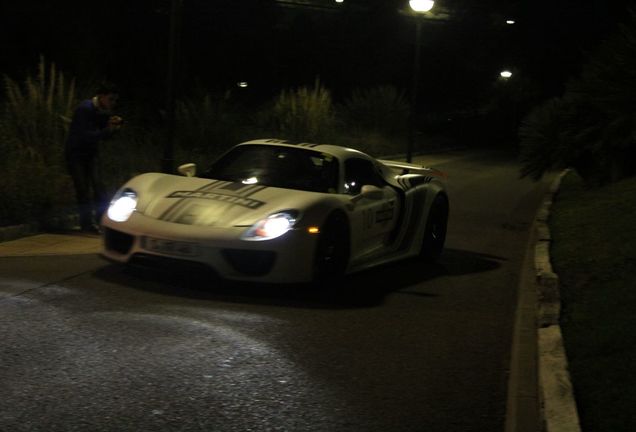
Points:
(334, 150)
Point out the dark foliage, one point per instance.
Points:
(593, 126)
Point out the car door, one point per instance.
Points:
(373, 216)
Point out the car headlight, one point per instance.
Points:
(122, 206)
(274, 225)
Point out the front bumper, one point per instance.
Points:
(286, 259)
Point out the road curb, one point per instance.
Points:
(13, 232)
(559, 412)
(17, 231)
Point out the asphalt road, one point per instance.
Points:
(88, 346)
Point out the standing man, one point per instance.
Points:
(92, 123)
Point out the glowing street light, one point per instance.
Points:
(505, 74)
(510, 22)
(419, 7)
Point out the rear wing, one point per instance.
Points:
(408, 168)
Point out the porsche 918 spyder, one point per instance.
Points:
(276, 211)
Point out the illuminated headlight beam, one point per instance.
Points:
(122, 206)
(271, 227)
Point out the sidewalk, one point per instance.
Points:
(68, 243)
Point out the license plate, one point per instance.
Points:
(169, 247)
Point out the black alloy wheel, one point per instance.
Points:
(435, 232)
(332, 250)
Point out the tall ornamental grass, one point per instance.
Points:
(305, 113)
(34, 120)
(38, 111)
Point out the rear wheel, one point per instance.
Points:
(332, 250)
(435, 232)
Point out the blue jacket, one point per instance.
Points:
(88, 128)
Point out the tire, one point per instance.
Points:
(435, 231)
(332, 250)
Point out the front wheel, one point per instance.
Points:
(435, 232)
(332, 250)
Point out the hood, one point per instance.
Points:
(218, 203)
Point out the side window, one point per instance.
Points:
(360, 172)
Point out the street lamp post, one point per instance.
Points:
(419, 7)
(167, 161)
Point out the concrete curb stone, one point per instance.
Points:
(543, 231)
(559, 410)
(13, 232)
(17, 231)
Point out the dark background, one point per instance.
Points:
(277, 44)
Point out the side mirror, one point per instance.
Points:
(188, 170)
(371, 192)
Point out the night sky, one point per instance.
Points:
(278, 44)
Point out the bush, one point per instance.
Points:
(207, 126)
(32, 191)
(372, 142)
(543, 136)
(384, 110)
(375, 121)
(592, 127)
(134, 150)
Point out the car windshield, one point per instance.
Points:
(284, 167)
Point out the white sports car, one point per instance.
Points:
(276, 211)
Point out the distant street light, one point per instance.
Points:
(419, 7)
(505, 74)
(510, 22)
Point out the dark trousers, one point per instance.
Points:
(89, 190)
